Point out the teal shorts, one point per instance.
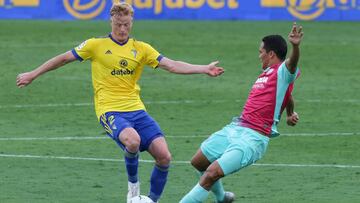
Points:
(234, 147)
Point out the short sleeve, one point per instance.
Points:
(285, 75)
(84, 51)
(152, 57)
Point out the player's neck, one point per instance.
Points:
(119, 39)
(274, 61)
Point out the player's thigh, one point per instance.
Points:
(130, 138)
(235, 159)
(114, 124)
(215, 145)
(199, 161)
(245, 149)
(148, 129)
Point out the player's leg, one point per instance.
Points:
(131, 140)
(247, 147)
(153, 141)
(119, 128)
(200, 192)
(201, 163)
(210, 150)
(229, 150)
(159, 150)
(231, 161)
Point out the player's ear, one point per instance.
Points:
(272, 54)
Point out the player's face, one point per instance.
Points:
(264, 56)
(121, 27)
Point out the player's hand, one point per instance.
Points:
(293, 119)
(24, 79)
(214, 70)
(295, 34)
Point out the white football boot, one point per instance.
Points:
(133, 190)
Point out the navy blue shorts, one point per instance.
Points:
(141, 121)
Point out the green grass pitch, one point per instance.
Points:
(316, 161)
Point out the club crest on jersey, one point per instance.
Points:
(134, 52)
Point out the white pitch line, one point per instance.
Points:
(321, 134)
(44, 105)
(41, 45)
(168, 136)
(50, 138)
(355, 101)
(310, 165)
(173, 162)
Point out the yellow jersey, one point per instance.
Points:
(116, 69)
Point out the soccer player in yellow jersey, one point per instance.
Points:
(117, 62)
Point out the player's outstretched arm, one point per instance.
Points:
(181, 67)
(295, 37)
(25, 79)
(292, 117)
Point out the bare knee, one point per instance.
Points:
(163, 159)
(133, 145)
(211, 175)
(131, 139)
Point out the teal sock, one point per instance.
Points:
(217, 189)
(197, 195)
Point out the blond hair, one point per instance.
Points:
(121, 9)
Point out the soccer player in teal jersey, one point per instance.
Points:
(245, 140)
(117, 62)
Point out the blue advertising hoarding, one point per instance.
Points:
(319, 10)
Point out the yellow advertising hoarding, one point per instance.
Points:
(19, 3)
(304, 4)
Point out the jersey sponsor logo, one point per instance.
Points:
(122, 72)
(259, 84)
(123, 63)
(123, 69)
(84, 11)
(262, 80)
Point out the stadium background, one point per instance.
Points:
(53, 150)
(186, 9)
